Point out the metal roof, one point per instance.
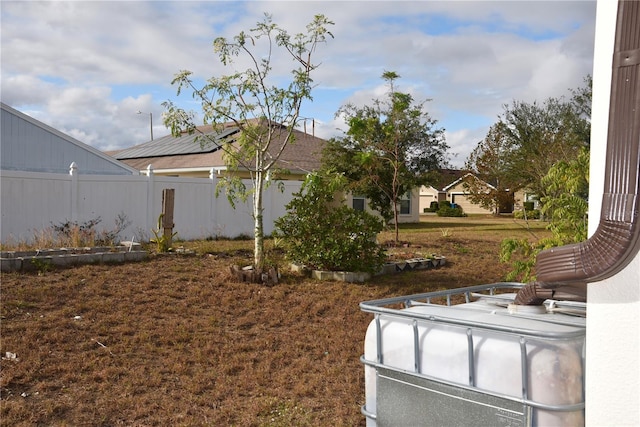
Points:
(172, 146)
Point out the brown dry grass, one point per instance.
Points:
(172, 341)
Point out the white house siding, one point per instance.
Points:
(29, 145)
(427, 195)
(412, 217)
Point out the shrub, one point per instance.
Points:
(444, 204)
(521, 254)
(449, 211)
(162, 241)
(317, 233)
(565, 204)
(530, 214)
(73, 233)
(433, 207)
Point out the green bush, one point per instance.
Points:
(433, 207)
(444, 204)
(531, 214)
(450, 211)
(521, 254)
(322, 236)
(565, 206)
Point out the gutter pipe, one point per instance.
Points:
(567, 269)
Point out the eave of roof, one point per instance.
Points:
(462, 178)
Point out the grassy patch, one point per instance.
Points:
(172, 341)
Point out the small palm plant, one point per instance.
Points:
(162, 240)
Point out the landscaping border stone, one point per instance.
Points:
(67, 257)
(387, 268)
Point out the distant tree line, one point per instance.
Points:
(543, 149)
(528, 139)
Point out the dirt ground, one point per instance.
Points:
(174, 341)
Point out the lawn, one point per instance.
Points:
(173, 341)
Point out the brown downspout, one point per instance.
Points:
(617, 238)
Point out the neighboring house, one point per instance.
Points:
(184, 156)
(29, 145)
(455, 192)
(458, 194)
(408, 208)
(434, 192)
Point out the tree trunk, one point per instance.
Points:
(395, 220)
(258, 229)
(394, 201)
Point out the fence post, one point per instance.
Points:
(213, 204)
(73, 171)
(168, 198)
(151, 221)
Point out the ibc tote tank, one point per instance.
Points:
(477, 360)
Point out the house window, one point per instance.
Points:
(405, 204)
(357, 203)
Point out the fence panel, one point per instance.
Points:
(109, 197)
(194, 207)
(31, 202)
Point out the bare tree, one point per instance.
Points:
(265, 114)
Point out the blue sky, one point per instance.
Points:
(87, 67)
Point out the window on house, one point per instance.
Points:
(357, 202)
(405, 204)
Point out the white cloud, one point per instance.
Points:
(87, 67)
(465, 140)
(24, 89)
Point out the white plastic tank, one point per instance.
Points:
(481, 362)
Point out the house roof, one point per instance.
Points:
(463, 177)
(170, 146)
(184, 152)
(443, 178)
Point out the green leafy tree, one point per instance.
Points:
(547, 152)
(265, 113)
(581, 103)
(324, 234)
(387, 148)
(529, 139)
(540, 136)
(492, 185)
(566, 205)
(567, 201)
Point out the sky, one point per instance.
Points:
(87, 67)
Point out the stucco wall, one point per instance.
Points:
(613, 305)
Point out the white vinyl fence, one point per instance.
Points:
(32, 202)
